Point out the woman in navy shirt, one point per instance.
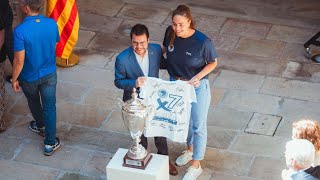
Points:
(191, 56)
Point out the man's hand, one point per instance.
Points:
(15, 85)
(140, 81)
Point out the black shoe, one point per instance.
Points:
(34, 128)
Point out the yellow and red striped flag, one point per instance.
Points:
(65, 12)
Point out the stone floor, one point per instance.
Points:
(262, 84)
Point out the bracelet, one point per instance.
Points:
(12, 81)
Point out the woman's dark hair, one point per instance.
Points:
(182, 10)
(139, 29)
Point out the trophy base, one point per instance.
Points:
(136, 163)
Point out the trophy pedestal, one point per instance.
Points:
(136, 163)
(157, 168)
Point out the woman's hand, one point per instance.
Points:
(194, 81)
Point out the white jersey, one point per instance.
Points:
(172, 102)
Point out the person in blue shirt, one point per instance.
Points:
(34, 69)
(191, 56)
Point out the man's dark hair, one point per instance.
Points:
(35, 5)
(139, 29)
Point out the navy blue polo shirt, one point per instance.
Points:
(37, 35)
(188, 55)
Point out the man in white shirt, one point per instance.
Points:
(133, 65)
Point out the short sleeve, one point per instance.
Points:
(18, 41)
(209, 51)
(58, 35)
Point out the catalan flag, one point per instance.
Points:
(65, 12)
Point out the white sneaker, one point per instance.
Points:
(193, 173)
(184, 158)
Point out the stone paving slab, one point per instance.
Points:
(93, 77)
(115, 123)
(71, 92)
(291, 14)
(294, 52)
(295, 110)
(303, 71)
(291, 69)
(251, 102)
(144, 13)
(101, 7)
(72, 158)
(21, 130)
(9, 119)
(110, 42)
(290, 34)
(96, 165)
(267, 168)
(264, 48)
(156, 3)
(204, 23)
(228, 162)
(156, 31)
(76, 176)
(84, 38)
(16, 171)
(242, 81)
(228, 118)
(216, 95)
(291, 88)
(93, 58)
(104, 98)
(251, 64)
(20, 107)
(206, 174)
(220, 176)
(111, 63)
(92, 139)
(246, 28)
(225, 42)
(220, 138)
(11, 96)
(102, 24)
(260, 145)
(83, 115)
(9, 147)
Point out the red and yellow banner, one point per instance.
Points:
(65, 12)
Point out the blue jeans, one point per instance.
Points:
(197, 135)
(41, 96)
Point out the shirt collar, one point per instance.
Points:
(33, 17)
(139, 57)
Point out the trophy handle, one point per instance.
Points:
(118, 102)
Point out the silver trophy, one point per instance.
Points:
(136, 117)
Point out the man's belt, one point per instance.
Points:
(180, 78)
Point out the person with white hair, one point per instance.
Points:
(300, 154)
